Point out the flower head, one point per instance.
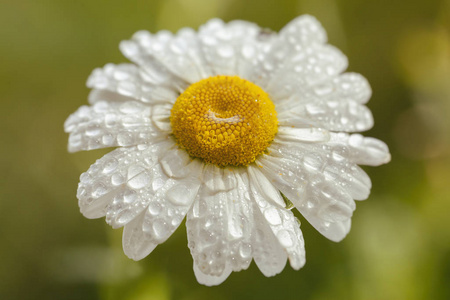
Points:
(220, 126)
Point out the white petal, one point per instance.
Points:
(359, 149)
(302, 59)
(180, 53)
(97, 95)
(138, 51)
(303, 30)
(166, 209)
(236, 48)
(135, 241)
(263, 186)
(335, 105)
(127, 80)
(107, 179)
(322, 201)
(303, 135)
(210, 280)
(274, 52)
(352, 86)
(347, 116)
(132, 179)
(110, 124)
(330, 159)
(304, 67)
(219, 226)
(282, 223)
(268, 254)
(334, 231)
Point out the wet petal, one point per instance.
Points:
(111, 124)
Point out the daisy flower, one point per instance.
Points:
(230, 126)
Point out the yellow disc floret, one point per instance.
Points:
(224, 120)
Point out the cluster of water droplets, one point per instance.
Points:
(109, 124)
(156, 182)
(235, 219)
(178, 54)
(323, 178)
(336, 104)
(219, 225)
(236, 48)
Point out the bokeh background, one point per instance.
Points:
(399, 246)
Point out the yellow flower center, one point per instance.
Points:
(224, 120)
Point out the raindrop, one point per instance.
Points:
(285, 239)
(272, 216)
(245, 250)
(129, 196)
(182, 194)
(160, 229)
(107, 139)
(117, 179)
(139, 181)
(110, 166)
(124, 139)
(154, 208)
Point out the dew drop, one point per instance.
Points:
(124, 139)
(226, 51)
(181, 194)
(323, 89)
(154, 208)
(157, 184)
(139, 181)
(110, 120)
(127, 88)
(285, 239)
(312, 162)
(129, 48)
(248, 51)
(245, 250)
(160, 229)
(117, 179)
(110, 166)
(107, 139)
(93, 130)
(130, 121)
(272, 216)
(129, 196)
(99, 190)
(120, 75)
(124, 217)
(130, 107)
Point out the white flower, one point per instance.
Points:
(215, 149)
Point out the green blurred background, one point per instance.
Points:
(399, 246)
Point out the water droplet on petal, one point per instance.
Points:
(154, 208)
(226, 51)
(245, 250)
(107, 139)
(285, 239)
(139, 181)
(130, 107)
(99, 190)
(248, 51)
(124, 139)
(160, 229)
(110, 166)
(182, 194)
(272, 216)
(110, 120)
(117, 179)
(129, 196)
